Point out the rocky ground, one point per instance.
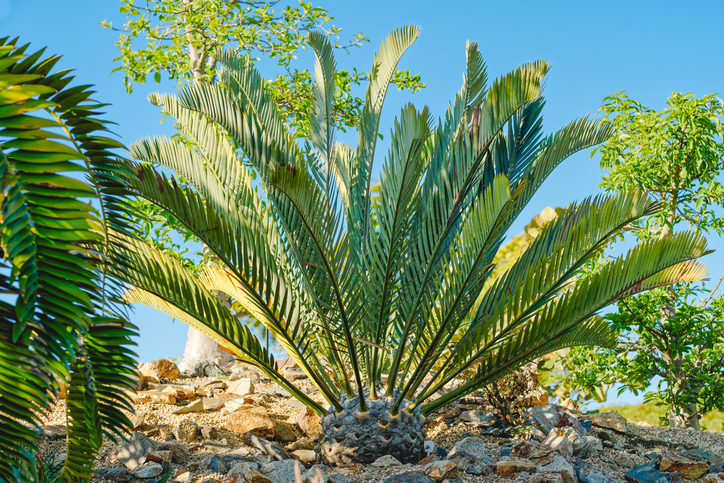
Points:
(238, 428)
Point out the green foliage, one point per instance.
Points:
(155, 38)
(690, 345)
(66, 322)
(677, 155)
(652, 414)
(358, 281)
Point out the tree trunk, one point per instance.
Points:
(200, 347)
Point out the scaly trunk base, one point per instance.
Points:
(349, 437)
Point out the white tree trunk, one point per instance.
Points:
(200, 347)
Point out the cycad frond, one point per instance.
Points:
(357, 280)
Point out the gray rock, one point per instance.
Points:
(546, 417)
(609, 420)
(212, 404)
(206, 369)
(579, 443)
(243, 471)
(217, 464)
(280, 471)
(588, 475)
(645, 474)
(716, 463)
(410, 477)
(115, 474)
(473, 446)
(185, 430)
(337, 478)
(315, 472)
(148, 471)
(562, 467)
(269, 448)
(133, 453)
(278, 391)
(479, 418)
(180, 452)
(572, 422)
(386, 461)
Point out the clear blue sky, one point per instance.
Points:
(596, 48)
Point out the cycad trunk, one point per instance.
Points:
(351, 437)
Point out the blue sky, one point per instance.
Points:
(648, 48)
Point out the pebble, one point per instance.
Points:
(185, 430)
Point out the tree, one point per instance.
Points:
(367, 287)
(677, 155)
(63, 326)
(181, 37)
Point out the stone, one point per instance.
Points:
(208, 432)
(269, 448)
(240, 404)
(386, 461)
(241, 387)
(473, 446)
(560, 443)
(469, 463)
(579, 444)
(590, 475)
(212, 404)
(442, 470)
(120, 474)
(205, 368)
(243, 472)
(254, 421)
(185, 430)
(149, 470)
(716, 463)
(551, 478)
(159, 456)
(183, 477)
(181, 393)
(645, 474)
(562, 467)
(546, 417)
(510, 468)
(278, 391)
(479, 418)
(305, 455)
(609, 420)
(180, 452)
(623, 461)
(137, 420)
(718, 478)
(217, 464)
(280, 471)
(160, 369)
(193, 407)
(153, 397)
(428, 446)
(572, 422)
(538, 453)
(594, 443)
(284, 432)
(690, 466)
(310, 423)
(338, 478)
(409, 477)
(133, 453)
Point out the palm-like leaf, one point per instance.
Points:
(59, 248)
(357, 280)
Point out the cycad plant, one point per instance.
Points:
(377, 290)
(62, 323)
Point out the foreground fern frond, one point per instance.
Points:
(62, 216)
